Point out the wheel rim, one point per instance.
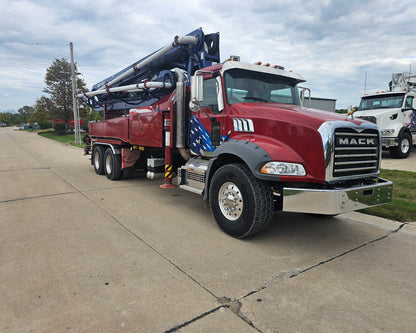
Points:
(97, 160)
(405, 146)
(108, 165)
(230, 201)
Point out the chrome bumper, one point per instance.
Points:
(337, 201)
(389, 142)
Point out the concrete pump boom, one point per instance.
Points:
(150, 78)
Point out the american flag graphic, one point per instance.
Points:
(200, 138)
(412, 123)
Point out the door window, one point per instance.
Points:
(210, 95)
(409, 103)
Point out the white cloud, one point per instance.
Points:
(331, 43)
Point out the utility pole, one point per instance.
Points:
(74, 99)
(365, 82)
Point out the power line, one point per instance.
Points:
(20, 61)
(35, 43)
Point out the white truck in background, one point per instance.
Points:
(394, 111)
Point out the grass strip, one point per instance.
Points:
(403, 204)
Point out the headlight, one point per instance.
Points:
(387, 131)
(283, 168)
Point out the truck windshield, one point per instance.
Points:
(244, 86)
(381, 102)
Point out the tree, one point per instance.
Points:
(58, 86)
(24, 114)
(41, 112)
(6, 118)
(11, 118)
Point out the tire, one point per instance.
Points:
(112, 165)
(98, 159)
(241, 204)
(404, 147)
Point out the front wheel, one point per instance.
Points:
(241, 204)
(404, 147)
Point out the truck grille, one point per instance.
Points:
(356, 153)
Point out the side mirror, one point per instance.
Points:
(197, 88)
(220, 97)
(303, 97)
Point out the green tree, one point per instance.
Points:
(91, 114)
(59, 87)
(5, 117)
(41, 112)
(23, 114)
(10, 118)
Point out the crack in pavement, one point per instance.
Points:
(38, 196)
(285, 275)
(25, 169)
(178, 327)
(235, 305)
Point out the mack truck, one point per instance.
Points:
(394, 111)
(234, 133)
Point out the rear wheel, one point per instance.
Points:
(112, 165)
(98, 159)
(404, 147)
(241, 204)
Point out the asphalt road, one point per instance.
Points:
(80, 253)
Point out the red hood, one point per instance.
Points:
(288, 133)
(287, 113)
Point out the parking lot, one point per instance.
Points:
(81, 253)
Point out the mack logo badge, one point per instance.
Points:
(353, 141)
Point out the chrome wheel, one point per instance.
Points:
(405, 145)
(97, 161)
(108, 164)
(230, 201)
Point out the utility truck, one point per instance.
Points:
(234, 133)
(394, 111)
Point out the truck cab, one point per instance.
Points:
(395, 113)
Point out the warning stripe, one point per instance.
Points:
(168, 170)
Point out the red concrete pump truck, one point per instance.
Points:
(236, 133)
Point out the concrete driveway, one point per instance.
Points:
(80, 253)
(406, 164)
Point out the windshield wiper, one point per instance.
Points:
(256, 99)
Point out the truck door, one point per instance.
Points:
(208, 122)
(410, 107)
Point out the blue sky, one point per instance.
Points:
(332, 44)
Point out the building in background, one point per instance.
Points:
(327, 104)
